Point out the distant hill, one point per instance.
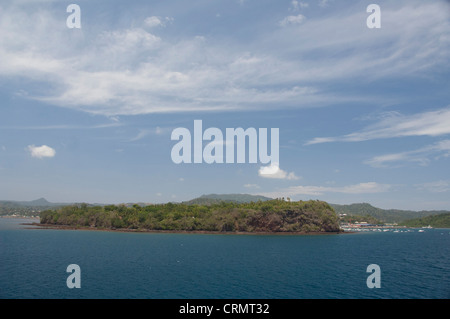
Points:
(436, 221)
(26, 208)
(34, 207)
(38, 202)
(33, 203)
(384, 215)
(229, 198)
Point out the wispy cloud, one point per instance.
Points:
(129, 71)
(421, 156)
(292, 20)
(361, 188)
(297, 5)
(433, 123)
(154, 21)
(441, 186)
(140, 135)
(146, 132)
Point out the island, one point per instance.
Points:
(271, 216)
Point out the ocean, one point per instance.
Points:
(33, 264)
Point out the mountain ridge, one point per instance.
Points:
(384, 215)
(29, 208)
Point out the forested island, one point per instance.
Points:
(271, 216)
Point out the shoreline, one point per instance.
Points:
(18, 217)
(157, 231)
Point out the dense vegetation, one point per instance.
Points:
(229, 198)
(383, 215)
(358, 218)
(437, 221)
(262, 216)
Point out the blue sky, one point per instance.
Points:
(86, 114)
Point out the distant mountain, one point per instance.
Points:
(234, 198)
(34, 207)
(27, 208)
(436, 221)
(38, 202)
(41, 202)
(384, 215)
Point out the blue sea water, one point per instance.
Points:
(33, 264)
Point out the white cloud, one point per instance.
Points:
(421, 156)
(274, 171)
(41, 152)
(433, 123)
(361, 188)
(297, 5)
(292, 20)
(255, 186)
(154, 21)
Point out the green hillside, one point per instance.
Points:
(383, 215)
(228, 198)
(436, 221)
(262, 216)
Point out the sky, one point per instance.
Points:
(87, 113)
